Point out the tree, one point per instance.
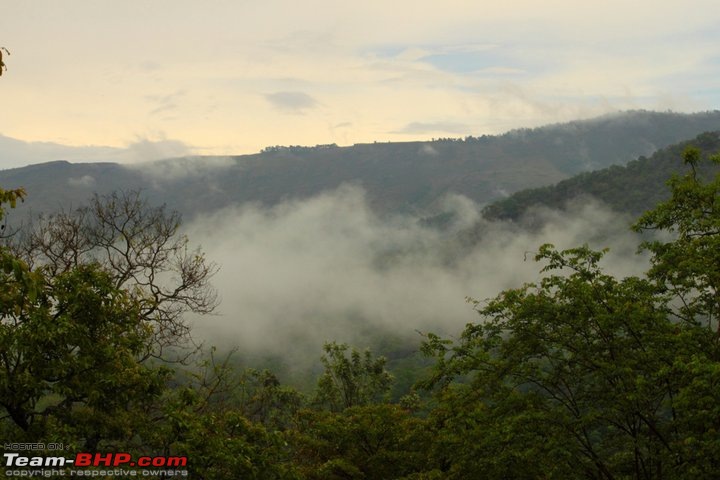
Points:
(369, 441)
(347, 382)
(689, 264)
(141, 249)
(3, 67)
(10, 197)
(225, 444)
(86, 298)
(688, 267)
(583, 375)
(258, 395)
(71, 346)
(576, 368)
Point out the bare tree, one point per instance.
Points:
(142, 249)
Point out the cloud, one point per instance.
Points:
(166, 107)
(173, 169)
(149, 66)
(86, 181)
(466, 59)
(327, 268)
(143, 149)
(435, 127)
(291, 102)
(17, 153)
(164, 103)
(166, 160)
(428, 150)
(423, 62)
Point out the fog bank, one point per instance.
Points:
(304, 272)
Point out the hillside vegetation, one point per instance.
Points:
(631, 188)
(398, 177)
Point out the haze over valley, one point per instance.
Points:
(374, 243)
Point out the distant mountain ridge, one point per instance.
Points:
(632, 188)
(398, 177)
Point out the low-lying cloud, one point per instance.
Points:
(328, 268)
(144, 149)
(435, 127)
(174, 169)
(86, 181)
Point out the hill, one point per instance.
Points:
(398, 177)
(633, 188)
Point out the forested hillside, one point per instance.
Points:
(398, 177)
(631, 188)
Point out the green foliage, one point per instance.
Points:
(574, 370)
(583, 375)
(83, 307)
(71, 345)
(3, 67)
(698, 416)
(10, 197)
(256, 394)
(354, 381)
(140, 248)
(361, 442)
(633, 188)
(225, 444)
(689, 264)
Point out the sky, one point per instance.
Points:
(152, 79)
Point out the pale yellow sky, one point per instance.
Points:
(230, 77)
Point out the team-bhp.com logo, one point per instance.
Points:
(92, 464)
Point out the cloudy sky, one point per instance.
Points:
(167, 77)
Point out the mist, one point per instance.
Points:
(301, 273)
